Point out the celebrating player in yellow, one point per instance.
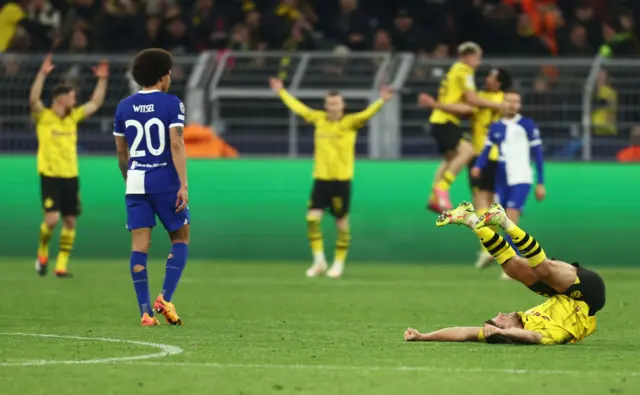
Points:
(483, 187)
(574, 293)
(57, 131)
(335, 139)
(458, 86)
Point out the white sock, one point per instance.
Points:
(319, 258)
(472, 221)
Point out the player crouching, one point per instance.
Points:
(574, 293)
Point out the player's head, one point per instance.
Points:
(503, 321)
(515, 103)
(470, 53)
(152, 68)
(65, 96)
(498, 80)
(334, 104)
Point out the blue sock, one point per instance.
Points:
(140, 283)
(508, 239)
(175, 265)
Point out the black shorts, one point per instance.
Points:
(487, 179)
(591, 289)
(447, 136)
(60, 194)
(334, 195)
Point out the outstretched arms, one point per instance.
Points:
(35, 95)
(294, 104)
(97, 98)
(457, 334)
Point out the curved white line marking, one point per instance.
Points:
(165, 350)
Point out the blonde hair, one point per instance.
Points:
(469, 48)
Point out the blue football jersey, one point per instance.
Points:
(144, 120)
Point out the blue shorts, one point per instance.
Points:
(143, 209)
(513, 196)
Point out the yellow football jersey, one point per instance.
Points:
(458, 81)
(334, 141)
(559, 320)
(57, 142)
(480, 122)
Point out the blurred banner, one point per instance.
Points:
(254, 210)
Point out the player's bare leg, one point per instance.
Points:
(432, 204)
(163, 304)
(47, 228)
(67, 239)
(314, 232)
(458, 159)
(557, 274)
(482, 200)
(342, 247)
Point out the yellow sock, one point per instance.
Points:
(495, 245)
(314, 233)
(527, 245)
(67, 237)
(43, 243)
(448, 178)
(342, 246)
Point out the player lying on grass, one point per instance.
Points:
(574, 293)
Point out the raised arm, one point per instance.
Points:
(359, 119)
(292, 103)
(35, 95)
(101, 71)
(428, 101)
(457, 334)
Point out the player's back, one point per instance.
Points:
(459, 79)
(560, 319)
(144, 119)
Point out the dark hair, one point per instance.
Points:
(150, 65)
(334, 92)
(61, 89)
(504, 78)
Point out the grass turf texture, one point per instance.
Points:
(265, 329)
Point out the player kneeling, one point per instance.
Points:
(575, 293)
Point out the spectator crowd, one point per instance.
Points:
(430, 28)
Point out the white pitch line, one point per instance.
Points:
(216, 365)
(165, 350)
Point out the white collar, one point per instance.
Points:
(151, 91)
(513, 120)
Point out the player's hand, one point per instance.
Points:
(411, 334)
(101, 70)
(489, 330)
(386, 92)
(475, 172)
(47, 65)
(276, 84)
(183, 199)
(426, 101)
(541, 192)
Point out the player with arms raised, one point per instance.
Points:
(148, 129)
(334, 157)
(57, 130)
(574, 293)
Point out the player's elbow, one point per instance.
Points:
(177, 145)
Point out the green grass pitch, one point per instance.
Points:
(258, 328)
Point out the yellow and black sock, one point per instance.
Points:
(43, 243)
(67, 237)
(527, 245)
(480, 212)
(342, 246)
(448, 178)
(495, 244)
(314, 233)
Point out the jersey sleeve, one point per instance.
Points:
(466, 81)
(177, 114)
(78, 114)
(118, 126)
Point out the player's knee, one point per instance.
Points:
(342, 224)
(69, 222)
(51, 219)
(182, 235)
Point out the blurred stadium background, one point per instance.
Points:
(575, 62)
